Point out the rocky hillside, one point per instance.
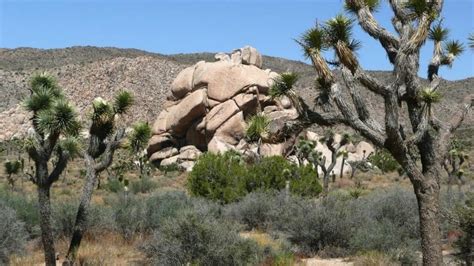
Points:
(88, 72)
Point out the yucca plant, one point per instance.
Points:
(55, 124)
(345, 155)
(339, 32)
(418, 7)
(430, 97)
(303, 149)
(454, 48)
(283, 85)
(353, 6)
(105, 137)
(257, 129)
(138, 139)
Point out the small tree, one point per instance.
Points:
(12, 168)
(453, 163)
(421, 135)
(320, 160)
(345, 155)
(105, 138)
(54, 127)
(138, 141)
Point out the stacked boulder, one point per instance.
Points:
(209, 105)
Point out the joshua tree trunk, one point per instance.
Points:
(342, 167)
(45, 216)
(80, 225)
(93, 170)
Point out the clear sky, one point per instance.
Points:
(184, 26)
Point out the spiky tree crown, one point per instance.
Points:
(283, 84)
(139, 137)
(354, 5)
(12, 167)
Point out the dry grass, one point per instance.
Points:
(110, 249)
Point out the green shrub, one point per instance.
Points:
(143, 185)
(13, 235)
(384, 161)
(196, 239)
(128, 212)
(253, 211)
(114, 185)
(227, 178)
(217, 177)
(26, 210)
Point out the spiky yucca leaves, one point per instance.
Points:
(346, 139)
(61, 117)
(438, 33)
(303, 148)
(44, 80)
(123, 101)
(339, 32)
(454, 48)
(430, 97)
(71, 145)
(418, 7)
(328, 137)
(313, 41)
(471, 40)
(354, 5)
(257, 127)
(283, 86)
(139, 137)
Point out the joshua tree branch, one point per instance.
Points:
(60, 166)
(109, 151)
(370, 25)
(370, 82)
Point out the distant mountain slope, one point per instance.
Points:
(88, 72)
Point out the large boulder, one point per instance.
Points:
(181, 116)
(208, 107)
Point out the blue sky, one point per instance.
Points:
(184, 26)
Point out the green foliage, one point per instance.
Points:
(13, 235)
(226, 179)
(139, 137)
(12, 167)
(339, 28)
(217, 177)
(143, 185)
(123, 101)
(114, 185)
(384, 161)
(313, 39)
(196, 239)
(283, 84)
(418, 7)
(26, 210)
(44, 80)
(257, 127)
(354, 6)
(438, 33)
(71, 145)
(454, 47)
(430, 96)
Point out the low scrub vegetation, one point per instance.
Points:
(227, 178)
(13, 235)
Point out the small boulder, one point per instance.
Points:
(182, 84)
(163, 154)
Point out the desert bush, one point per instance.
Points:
(227, 178)
(143, 185)
(114, 185)
(161, 206)
(253, 211)
(465, 220)
(128, 212)
(217, 177)
(26, 210)
(13, 235)
(192, 239)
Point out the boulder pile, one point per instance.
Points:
(209, 105)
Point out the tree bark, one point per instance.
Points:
(428, 207)
(45, 224)
(82, 212)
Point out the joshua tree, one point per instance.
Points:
(421, 135)
(12, 168)
(54, 128)
(105, 138)
(453, 163)
(283, 86)
(138, 140)
(303, 149)
(320, 160)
